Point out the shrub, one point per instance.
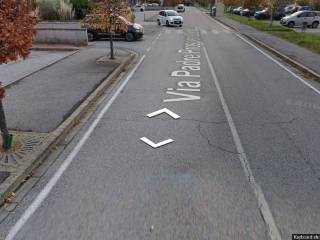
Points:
(81, 8)
(55, 9)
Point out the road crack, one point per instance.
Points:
(210, 143)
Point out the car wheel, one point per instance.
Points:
(315, 24)
(291, 24)
(90, 36)
(130, 37)
(159, 23)
(167, 23)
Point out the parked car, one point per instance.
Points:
(265, 14)
(289, 9)
(180, 8)
(296, 8)
(298, 19)
(247, 12)
(125, 30)
(142, 8)
(237, 10)
(230, 9)
(305, 8)
(169, 18)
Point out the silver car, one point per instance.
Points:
(301, 18)
(169, 18)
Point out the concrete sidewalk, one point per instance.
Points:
(301, 55)
(47, 104)
(37, 60)
(41, 101)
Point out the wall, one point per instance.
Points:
(61, 33)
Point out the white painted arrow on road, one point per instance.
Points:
(155, 145)
(164, 110)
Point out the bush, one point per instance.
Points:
(81, 8)
(55, 9)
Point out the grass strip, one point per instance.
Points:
(307, 40)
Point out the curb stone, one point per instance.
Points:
(13, 183)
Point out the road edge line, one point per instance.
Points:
(262, 202)
(279, 64)
(55, 178)
(282, 56)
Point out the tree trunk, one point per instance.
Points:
(4, 129)
(271, 19)
(111, 46)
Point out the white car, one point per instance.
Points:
(180, 8)
(298, 19)
(169, 18)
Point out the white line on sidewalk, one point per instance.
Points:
(263, 205)
(279, 64)
(53, 181)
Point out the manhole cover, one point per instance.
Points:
(3, 176)
(23, 146)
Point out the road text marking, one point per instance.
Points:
(164, 110)
(156, 145)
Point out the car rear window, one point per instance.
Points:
(172, 13)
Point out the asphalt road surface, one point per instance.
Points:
(239, 156)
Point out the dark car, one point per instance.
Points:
(237, 10)
(125, 30)
(230, 9)
(293, 9)
(247, 12)
(265, 14)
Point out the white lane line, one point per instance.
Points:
(148, 49)
(279, 64)
(271, 58)
(214, 31)
(156, 39)
(263, 205)
(53, 181)
(179, 31)
(204, 32)
(222, 25)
